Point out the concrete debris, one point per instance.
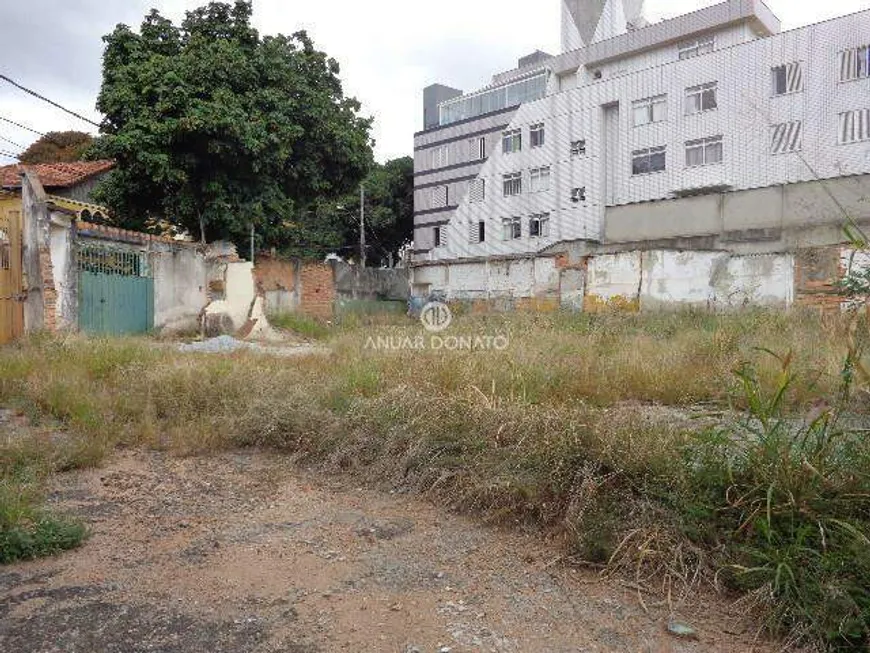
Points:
(683, 631)
(229, 345)
(216, 345)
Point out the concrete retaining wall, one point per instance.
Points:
(636, 280)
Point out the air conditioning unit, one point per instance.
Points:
(578, 195)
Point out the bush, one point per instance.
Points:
(28, 531)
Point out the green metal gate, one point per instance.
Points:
(116, 290)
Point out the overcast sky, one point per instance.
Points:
(388, 49)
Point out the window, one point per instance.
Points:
(539, 225)
(578, 148)
(512, 228)
(438, 197)
(702, 98)
(438, 236)
(786, 137)
(704, 151)
(697, 47)
(476, 232)
(5, 251)
(539, 179)
(477, 149)
(513, 184)
(512, 141)
(536, 135)
(644, 162)
(578, 194)
(854, 126)
(855, 63)
(501, 97)
(476, 190)
(439, 157)
(649, 110)
(787, 78)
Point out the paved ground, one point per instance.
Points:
(243, 552)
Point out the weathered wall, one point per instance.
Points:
(634, 280)
(82, 192)
(669, 279)
(514, 284)
(613, 279)
(232, 290)
(180, 286)
(353, 282)
(33, 238)
(63, 270)
(276, 281)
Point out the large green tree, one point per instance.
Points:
(215, 128)
(331, 225)
(57, 147)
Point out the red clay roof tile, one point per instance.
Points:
(55, 175)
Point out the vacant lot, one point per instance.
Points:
(669, 452)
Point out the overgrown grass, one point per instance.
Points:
(631, 435)
(300, 324)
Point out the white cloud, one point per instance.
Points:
(389, 50)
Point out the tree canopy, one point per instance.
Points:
(332, 224)
(57, 147)
(215, 128)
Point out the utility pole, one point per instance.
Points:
(362, 224)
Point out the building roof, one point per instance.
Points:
(55, 175)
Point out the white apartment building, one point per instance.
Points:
(642, 132)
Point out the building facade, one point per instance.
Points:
(639, 133)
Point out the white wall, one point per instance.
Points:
(669, 279)
(520, 278)
(180, 287)
(239, 293)
(63, 271)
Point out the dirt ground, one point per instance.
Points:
(244, 552)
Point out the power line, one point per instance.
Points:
(20, 126)
(9, 155)
(51, 102)
(3, 138)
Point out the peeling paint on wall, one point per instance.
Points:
(626, 281)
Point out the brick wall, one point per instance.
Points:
(317, 290)
(274, 274)
(814, 276)
(49, 292)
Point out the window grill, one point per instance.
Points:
(786, 137)
(787, 78)
(102, 259)
(5, 251)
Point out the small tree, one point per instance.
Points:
(332, 225)
(215, 128)
(57, 147)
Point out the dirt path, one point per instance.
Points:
(243, 552)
